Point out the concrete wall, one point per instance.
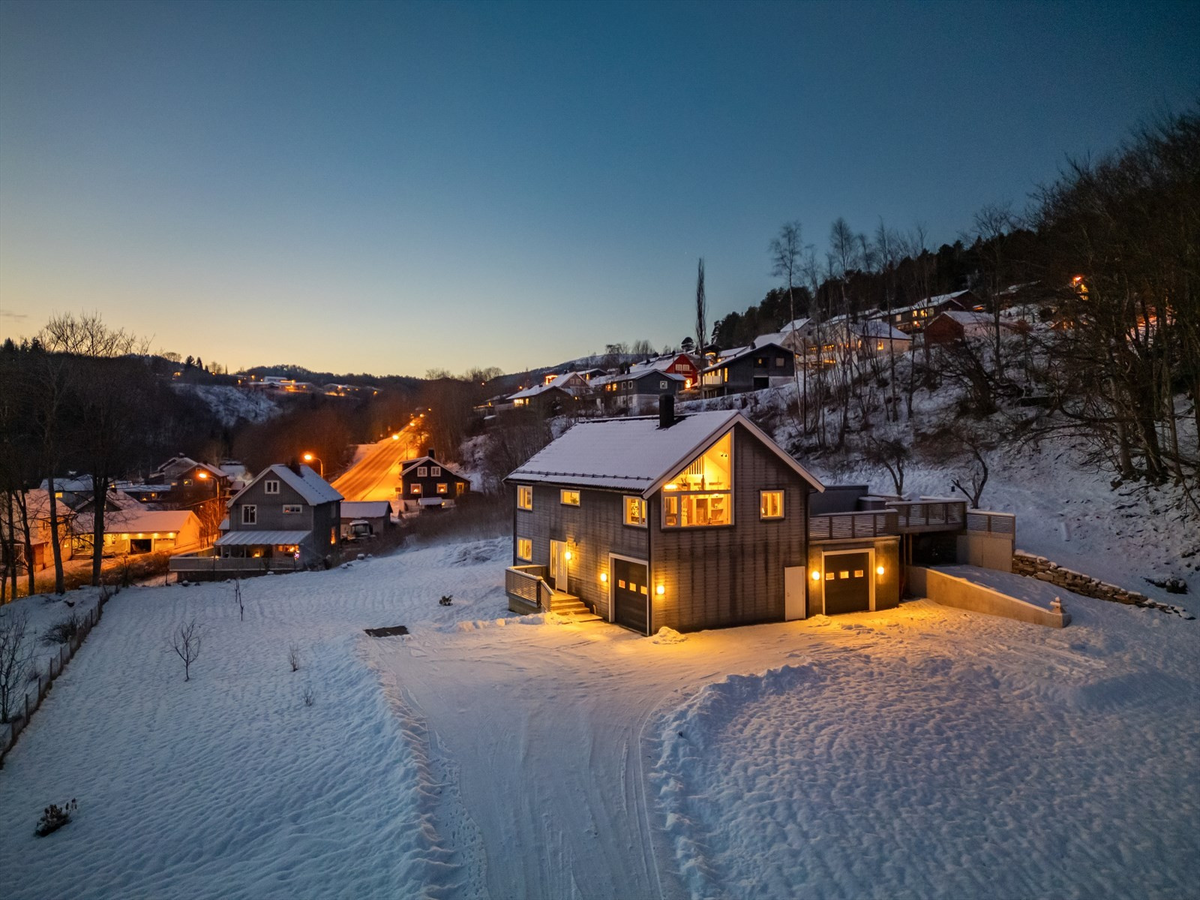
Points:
(987, 551)
(949, 590)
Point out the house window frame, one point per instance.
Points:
(569, 497)
(443, 487)
(673, 501)
(414, 489)
(271, 486)
(292, 509)
(630, 501)
(249, 514)
(525, 497)
(435, 471)
(762, 507)
(528, 547)
(422, 471)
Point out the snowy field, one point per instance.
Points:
(922, 752)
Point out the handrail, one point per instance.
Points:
(523, 584)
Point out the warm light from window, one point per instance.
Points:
(816, 576)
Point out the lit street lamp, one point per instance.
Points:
(308, 457)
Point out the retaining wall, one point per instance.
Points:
(950, 590)
(1076, 582)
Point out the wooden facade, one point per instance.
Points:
(426, 477)
(753, 369)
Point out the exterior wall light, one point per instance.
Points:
(604, 578)
(660, 590)
(816, 575)
(879, 570)
(567, 555)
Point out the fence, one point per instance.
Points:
(58, 662)
(835, 526)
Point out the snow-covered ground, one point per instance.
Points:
(233, 404)
(923, 751)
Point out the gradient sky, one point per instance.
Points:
(389, 188)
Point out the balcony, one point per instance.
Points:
(929, 514)
(850, 525)
(207, 566)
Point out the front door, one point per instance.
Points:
(631, 595)
(795, 593)
(560, 566)
(847, 583)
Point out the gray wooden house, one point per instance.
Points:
(752, 368)
(696, 521)
(288, 514)
(426, 482)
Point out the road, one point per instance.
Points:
(375, 476)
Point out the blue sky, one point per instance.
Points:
(394, 187)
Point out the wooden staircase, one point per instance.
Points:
(572, 607)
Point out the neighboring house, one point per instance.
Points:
(363, 519)
(689, 522)
(139, 530)
(558, 395)
(37, 508)
(636, 391)
(955, 325)
(181, 482)
(286, 518)
(878, 338)
(751, 368)
(72, 490)
(914, 318)
(426, 482)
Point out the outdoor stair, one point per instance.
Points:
(569, 605)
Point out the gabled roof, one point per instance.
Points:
(634, 454)
(314, 489)
(744, 351)
(409, 464)
(134, 521)
(879, 329)
(969, 318)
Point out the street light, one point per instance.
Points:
(309, 457)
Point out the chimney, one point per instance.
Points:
(430, 454)
(666, 411)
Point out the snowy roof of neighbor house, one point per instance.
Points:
(538, 389)
(72, 484)
(253, 538)
(632, 375)
(963, 317)
(930, 301)
(308, 484)
(138, 521)
(365, 509)
(635, 454)
(876, 328)
(795, 325)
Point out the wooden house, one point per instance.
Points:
(427, 482)
(955, 325)
(752, 368)
(696, 521)
(636, 391)
(878, 338)
(914, 318)
(135, 530)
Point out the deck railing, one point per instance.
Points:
(206, 561)
(985, 522)
(528, 583)
(839, 526)
(929, 514)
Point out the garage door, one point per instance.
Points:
(847, 583)
(630, 594)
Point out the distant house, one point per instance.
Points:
(37, 507)
(287, 518)
(752, 368)
(914, 318)
(636, 391)
(558, 395)
(956, 325)
(365, 518)
(690, 522)
(179, 483)
(878, 338)
(138, 530)
(427, 482)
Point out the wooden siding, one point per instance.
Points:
(731, 575)
(887, 585)
(592, 530)
(270, 509)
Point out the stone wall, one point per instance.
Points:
(1044, 570)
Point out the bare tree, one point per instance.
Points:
(786, 250)
(992, 223)
(293, 656)
(973, 482)
(892, 453)
(15, 657)
(237, 595)
(185, 641)
(701, 311)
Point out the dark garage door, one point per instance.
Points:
(630, 594)
(847, 583)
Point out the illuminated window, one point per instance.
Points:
(829, 576)
(635, 511)
(843, 574)
(858, 573)
(771, 504)
(701, 495)
(422, 471)
(443, 488)
(662, 385)
(569, 498)
(524, 548)
(270, 486)
(460, 488)
(249, 514)
(292, 509)
(524, 496)
(435, 471)
(415, 489)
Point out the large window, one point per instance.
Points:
(635, 511)
(702, 494)
(569, 498)
(443, 487)
(414, 489)
(249, 514)
(525, 496)
(524, 548)
(770, 504)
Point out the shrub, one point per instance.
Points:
(64, 630)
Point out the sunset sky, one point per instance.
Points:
(388, 188)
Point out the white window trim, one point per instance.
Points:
(422, 471)
(249, 514)
(443, 487)
(644, 523)
(521, 491)
(271, 486)
(562, 497)
(435, 471)
(292, 509)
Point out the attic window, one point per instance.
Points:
(422, 471)
(770, 504)
(435, 471)
(271, 486)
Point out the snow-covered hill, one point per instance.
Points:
(232, 404)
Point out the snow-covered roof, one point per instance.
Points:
(308, 484)
(631, 375)
(930, 301)
(365, 509)
(537, 390)
(254, 538)
(635, 454)
(969, 318)
(795, 325)
(138, 521)
(876, 328)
